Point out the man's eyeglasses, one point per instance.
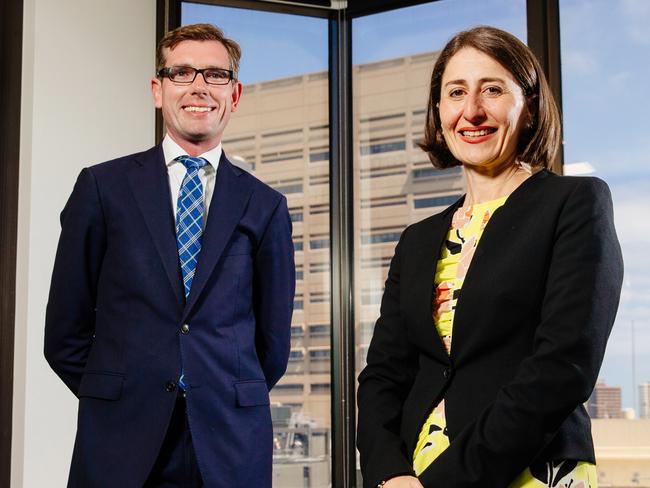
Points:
(185, 75)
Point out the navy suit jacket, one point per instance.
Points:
(114, 326)
(530, 328)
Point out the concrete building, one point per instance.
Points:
(281, 133)
(622, 452)
(605, 402)
(644, 400)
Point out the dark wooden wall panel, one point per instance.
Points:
(11, 34)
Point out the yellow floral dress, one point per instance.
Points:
(466, 229)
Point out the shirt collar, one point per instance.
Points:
(171, 150)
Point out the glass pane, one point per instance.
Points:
(280, 133)
(395, 184)
(605, 73)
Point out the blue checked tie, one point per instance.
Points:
(189, 225)
(189, 219)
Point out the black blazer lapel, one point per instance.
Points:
(228, 203)
(426, 253)
(480, 274)
(150, 186)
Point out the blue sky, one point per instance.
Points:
(606, 70)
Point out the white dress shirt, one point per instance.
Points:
(176, 172)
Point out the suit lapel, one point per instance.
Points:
(427, 252)
(480, 273)
(229, 200)
(150, 186)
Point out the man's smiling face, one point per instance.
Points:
(196, 114)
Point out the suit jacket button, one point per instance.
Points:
(446, 373)
(170, 386)
(185, 329)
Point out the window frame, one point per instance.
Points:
(543, 30)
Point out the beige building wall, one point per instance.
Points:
(281, 131)
(622, 452)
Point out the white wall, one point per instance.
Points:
(85, 99)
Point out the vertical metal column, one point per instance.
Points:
(342, 247)
(544, 40)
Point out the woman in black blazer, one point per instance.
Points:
(529, 317)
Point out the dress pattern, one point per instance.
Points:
(467, 227)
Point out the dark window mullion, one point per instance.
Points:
(342, 259)
(544, 40)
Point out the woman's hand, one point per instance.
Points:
(403, 482)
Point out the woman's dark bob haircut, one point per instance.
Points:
(539, 141)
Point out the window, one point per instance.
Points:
(380, 237)
(319, 297)
(604, 53)
(319, 155)
(319, 355)
(296, 355)
(320, 387)
(297, 243)
(443, 201)
(382, 147)
(287, 189)
(319, 330)
(288, 388)
(319, 267)
(422, 173)
(319, 242)
(278, 156)
(389, 201)
(395, 184)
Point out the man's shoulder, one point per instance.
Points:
(119, 164)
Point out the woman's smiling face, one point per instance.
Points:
(482, 110)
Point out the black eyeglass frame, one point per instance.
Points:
(167, 73)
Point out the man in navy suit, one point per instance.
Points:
(170, 306)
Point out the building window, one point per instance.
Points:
(422, 173)
(297, 331)
(319, 267)
(381, 172)
(319, 297)
(288, 388)
(298, 303)
(383, 147)
(297, 243)
(315, 157)
(319, 330)
(375, 262)
(278, 156)
(296, 215)
(296, 355)
(321, 208)
(288, 189)
(380, 237)
(435, 201)
(383, 201)
(319, 355)
(319, 242)
(320, 387)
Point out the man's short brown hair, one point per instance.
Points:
(198, 32)
(540, 140)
